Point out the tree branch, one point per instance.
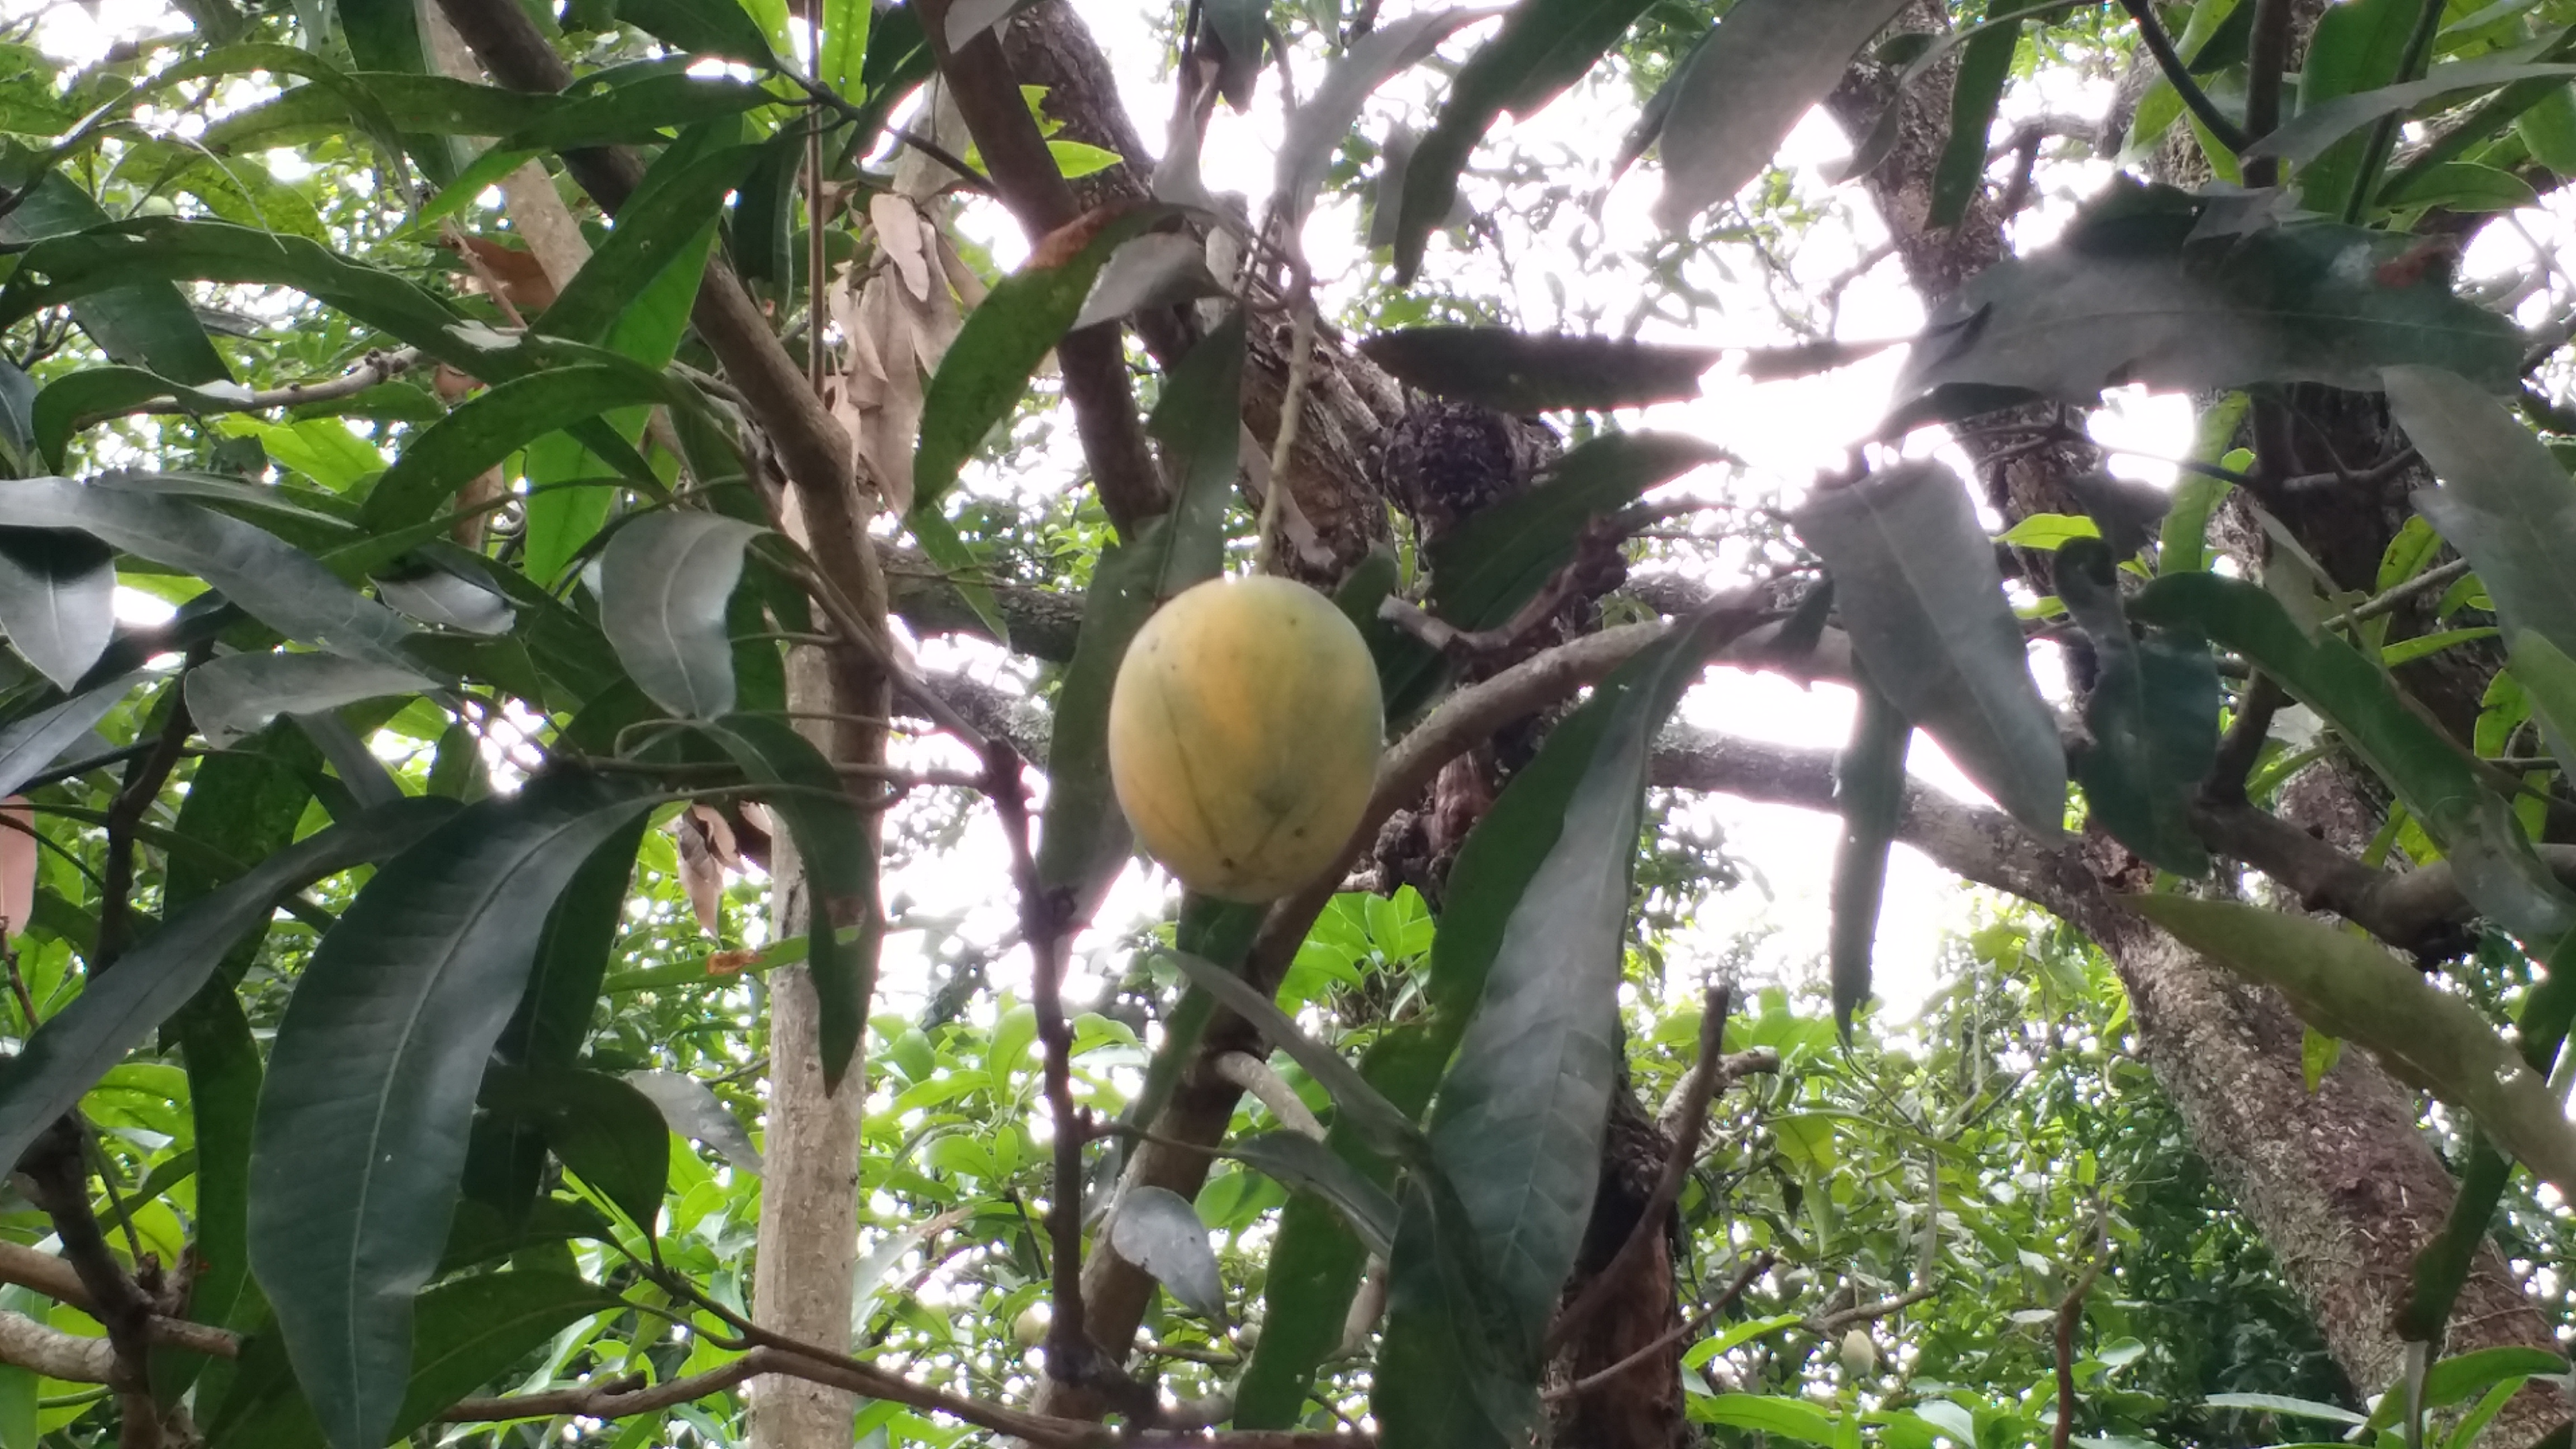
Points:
(2151, 34)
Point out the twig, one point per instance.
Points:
(2423, 583)
(54, 1165)
(621, 1397)
(2267, 57)
(1709, 1076)
(1292, 403)
(378, 367)
(1743, 1280)
(2069, 1312)
(1254, 1075)
(144, 778)
(872, 642)
(2243, 744)
(2151, 33)
(1825, 1323)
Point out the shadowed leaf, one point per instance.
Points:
(1518, 372)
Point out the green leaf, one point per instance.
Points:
(1916, 583)
(1785, 1418)
(1869, 792)
(664, 582)
(1543, 47)
(1316, 130)
(2317, 127)
(1309, 1166)
(2184, 545)
(987, 369)
(381, 102)
(472, 1331)
(677, 202)
(1387, 1128)
(487, 428)
(1985, 63)
(76, 400)
(2126, 297)
(1156, 1229)
(692, 1110)
(705, 27)
(2048, 532)
(30, 743)
(2350, 987)
(238, 694)
(839, 854)
(1517, 372)
(57, 600)
(142, 320)
(2355, 47)
(277, 584)
(553, 1018)
(2490, 856)
(845, 45)
(2153, 716)
(362, 1125)
(1768, 64)
(2318, 1053)
(1538, 908)
(1083, 836)
(600, 1127)
(72, 1048)
(2465, 1376)
(2463, 187)
(2504, 502)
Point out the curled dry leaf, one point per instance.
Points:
(900, 318)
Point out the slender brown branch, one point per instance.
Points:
(2243, 744)
(1708, 1077)
(54, 1165)
(2151, 34)
(1663, 1343)
(622, 1397)
(377, 367)
(2069, 1313)
(144, 778)
(2267, 59)
(1842, 1318)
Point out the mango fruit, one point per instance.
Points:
(1244, 731)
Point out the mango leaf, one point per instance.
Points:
(277, 584)
(143, 320)
(93, 394)
(2355, 47)
(1541, 905)
(1543, 47)
(553, 1018)
(473, 1330)
(2317, 127)
(119, 1008)
(2466, 1375)
(679, 198)
(598, 1126)
(1157, 1230)
(1517, 372)
(2153, 715)
(2504, 502)
(1083, 836)
(692, 1110)
(1317, 128)
(1915, 579)
(57, 600)
(1780, 1417)
(1158, 269)
(664, 580)
(30, 743)
(1768, 63)
(1308, 1166)
(2348, 986)
(363, 1121)
(2127, 296)
(634, 111)
(487, 428)
(378, 102)
(988, 367)
(239, 694)
(2490, 856)
(706, 27)
(1869, 792)
(1985, 63)
(839, 853)
(2548, 679)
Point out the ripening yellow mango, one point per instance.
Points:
(1244, 733)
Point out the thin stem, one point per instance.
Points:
(144, 778)
(1301, 363)
(1664, 1342)
(2069, 1312)
(2423, 583)
(2151, 33)
(2267, 57)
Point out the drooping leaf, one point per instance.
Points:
(238, 694)
(691, 1110)
(1387, 1128)
(145, 320)
(1768, 64)
(1309, 1166)
(1915, 579)
(1869, 793)
(840, 859)
(988, 367)
(376, 102)
(473, 1330)
(1518, 372)
(1157, 1230)
(1543, 47)
(69, 1051)
(2153, 715)
(276, 583)
(29, 744)
(2351, 987)
(2354, 48)
(1315, 132)
(362, 1124)
(1158, 269)
(2127, 296)
(435, 595)
(600, 1127)
(487, 428)
(2317, 127)
(2504, 502)
(1985, 63)
(677, 202)
(706, 27)
(93, 394)
(2491, 858)
(1083, 835)
(57, 600)
(664, 582)
(553, 1019)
